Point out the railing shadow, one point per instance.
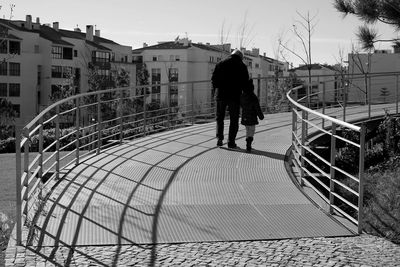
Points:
(103, 175)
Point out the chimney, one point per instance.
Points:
(145, 45)
(28, 24)
(77, 29)
(264, 54)
(37, 20)
(55, 26)
(89, 32)
(97, 33)
(255, 52)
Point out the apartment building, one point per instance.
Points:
(182, 60)
(324, 78)
(382, 87)
(39, 59)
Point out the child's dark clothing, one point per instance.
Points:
(251, 110)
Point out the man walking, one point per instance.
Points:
(228, 81)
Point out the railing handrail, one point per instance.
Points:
(70, 98)
(323, 116)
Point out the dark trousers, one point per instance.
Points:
(234, 109)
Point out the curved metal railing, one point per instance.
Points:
(83, 125)
(317, 168)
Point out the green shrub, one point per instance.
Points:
(7, 145)
(382, 203)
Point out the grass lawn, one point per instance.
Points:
(7, 200)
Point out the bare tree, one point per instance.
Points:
(358, 63)
(303, 30)
(245, 33)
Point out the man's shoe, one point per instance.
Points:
(232, 145)
(219, 142)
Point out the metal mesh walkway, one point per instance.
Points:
(177, 186)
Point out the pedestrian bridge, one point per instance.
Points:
(177, 186)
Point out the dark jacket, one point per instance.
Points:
(229, 78)
(250, 109)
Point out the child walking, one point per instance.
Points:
(250, 111)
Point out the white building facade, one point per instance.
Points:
(38, 60)
(196, 62)
(383, 66)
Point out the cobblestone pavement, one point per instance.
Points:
(364, 250)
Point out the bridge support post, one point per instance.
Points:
(397, 94)
(77, 129)
(332, 168)
(303, 143)
(98, 124)
(361, 177)
(57, 133)
(18, 183)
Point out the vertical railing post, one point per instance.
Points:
(77, 130)
(303, 143)
(40, 163)
(323, 103)
(294, 125)
(332, 168)
(57, 119)
(397, 94)
(99, 124)
(361, 177)
(144, 113)
(26, 172)
(18, 183)
(345, 101)
(369, 97)
(120, 115)
(192, 102)
(169, 106)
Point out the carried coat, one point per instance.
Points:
(251, 109)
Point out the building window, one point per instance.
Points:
(15, 69)
(39, 74)
(15, 47)
(173, 88)
(17, 110)
(154, 58)
(98, 56)
(257, 66)
(56, 52)
(3, 90)
(14, 89)
(3, 47)
(56, 71)
(75, 53)
(174, 58)
(67, 53)
(3, 68)
(156, 79)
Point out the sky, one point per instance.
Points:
(134, 22)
